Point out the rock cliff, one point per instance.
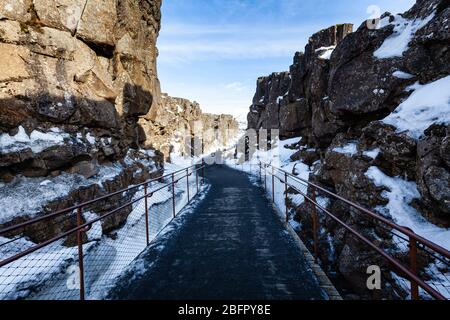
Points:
(178, 122)
(86, 69)
(372, 110)
(81, 112)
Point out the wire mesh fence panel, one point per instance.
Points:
(80, 253)
(412, 266)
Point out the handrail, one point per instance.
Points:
(75, 207)
(391, 260)
(374, 215)
(83, 225)
(409, 273)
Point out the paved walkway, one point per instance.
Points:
(233, 246)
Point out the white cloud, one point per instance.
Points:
(217, 49)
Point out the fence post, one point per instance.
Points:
(413, 266)
(173, 195)
(273, 185)
(146, 214)
(80, 252)
(187, 184)
(203, 171)
(196, 177)
(315, 224)
(265, 178)
(260, 172)
(286, 196)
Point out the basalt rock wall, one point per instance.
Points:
(342, 97)
(84, 68)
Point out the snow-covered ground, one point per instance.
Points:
(400, 193)
(279, 157)
(27, 196)
(52, 272)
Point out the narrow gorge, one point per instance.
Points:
(81, 109)
(95, 157)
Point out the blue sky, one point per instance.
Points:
(212, 51)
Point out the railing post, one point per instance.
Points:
(265, 177)
(260, 172)
(146, 213)
(203, 171)
(413, 267)
(273, 185)
(187, 184)
(173, 195)
(196, 178)
(80, 252)
(315, 224)
(286, 197)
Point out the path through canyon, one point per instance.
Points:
(231, 246)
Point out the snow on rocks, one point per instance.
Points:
(28, 196)
(402, 75)
(372, 153)
(325, 52)
(428, 104)
(404, 31)
(37, 141)
(400, 194)
(349, 149)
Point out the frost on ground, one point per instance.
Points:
(402, 75)
(404, 31)
(428, 104)
(372, 153)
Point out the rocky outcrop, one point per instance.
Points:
(339, 93)
(179, 123)
(86, 68)
(291, 101)
(218, 131)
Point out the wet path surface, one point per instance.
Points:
(232, 246)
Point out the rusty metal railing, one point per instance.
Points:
(425, 265)
(78, 252)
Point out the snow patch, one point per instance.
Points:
(350, 149)
(372, 153)
(427, 105)
(400, 194)
(402, 75)
(37, 141)
(404, 31)
(325, 52)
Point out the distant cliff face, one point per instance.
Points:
(286, 100)
(177, 121)
(371, 108)
(84, 68)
